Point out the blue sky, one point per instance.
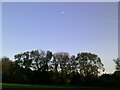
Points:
(0, 29)
(84, 27)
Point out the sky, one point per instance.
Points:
(61, 27)
(0, 29)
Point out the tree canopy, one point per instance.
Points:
(39, 60)
(117, 62)
(46, 67)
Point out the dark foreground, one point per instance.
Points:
(60, 88)
(6, 86)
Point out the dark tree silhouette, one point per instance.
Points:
(61, 61)
(117, 62)
(40, 67)
(89, 63)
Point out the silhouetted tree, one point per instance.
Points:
(116, 74)
(89, 63)
(34, 59)
(107, 80)
(117, 62)
(23, 59)
(40, 67)
(61, 59)
(47, 60)
(7, 69)
(6, 65)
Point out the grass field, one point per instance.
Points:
(11, 86)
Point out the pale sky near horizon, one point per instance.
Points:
(69, 27)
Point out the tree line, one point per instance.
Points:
(40, 67)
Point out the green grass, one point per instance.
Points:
(12, 85)
(33, 87)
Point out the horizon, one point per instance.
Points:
(68, 27)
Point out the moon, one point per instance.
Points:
(62, 12)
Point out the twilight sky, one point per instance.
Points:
(69, 27)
